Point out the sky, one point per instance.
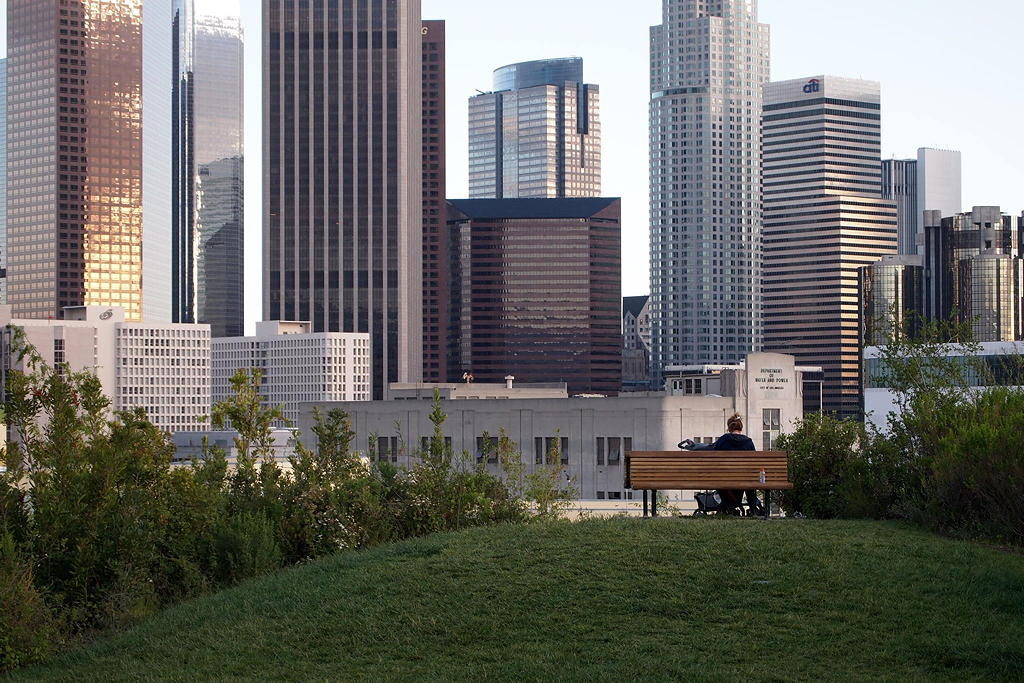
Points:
(950, 71)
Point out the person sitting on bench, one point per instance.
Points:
(736, 440)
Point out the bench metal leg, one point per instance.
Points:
(654, 503)
(767, 504)
(645, 503)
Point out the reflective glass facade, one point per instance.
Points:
(207, 255)
(892, 298)
(708, 63)
(342, 165)
(75, 145)
(974, 270)
(536, 291)
(536, 136)
(990, 296)
(539, 72)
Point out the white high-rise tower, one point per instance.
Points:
(709, 59)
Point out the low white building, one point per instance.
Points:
(164, 369)
(299, 366)
(1000, 364)
(592, 433)
(190, 446)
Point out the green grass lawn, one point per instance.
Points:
(665, 599)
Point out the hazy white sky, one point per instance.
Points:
(951, 76)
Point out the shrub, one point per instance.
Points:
(27, 632)
(244, 548)
(841, 469)
(975, 484)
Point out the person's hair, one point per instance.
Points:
(735, 423)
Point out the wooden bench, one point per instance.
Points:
(705, 470)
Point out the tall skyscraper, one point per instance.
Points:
(899, 184)
(3, 181)
(342, 185)
(207, 255)
(436, 277)
(536, 287)
(709, 60)
(931, 181)
(824, 218)
(537, 135)
(75, 136)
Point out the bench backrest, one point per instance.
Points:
(693, 470)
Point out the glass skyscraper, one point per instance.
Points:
(537, 135)
(891, 299)
(709, 59)
(342, 174)
(207, 255)
(74, 230)
(974, 271)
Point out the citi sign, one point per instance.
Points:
(813, 85)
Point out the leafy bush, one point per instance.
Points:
(841, 469)
(951, 459)
(975, 484)
(244, 548)
(27, 632)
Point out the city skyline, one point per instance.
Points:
(920, 87)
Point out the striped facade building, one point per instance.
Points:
(824, 218)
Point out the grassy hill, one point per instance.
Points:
(602, 600)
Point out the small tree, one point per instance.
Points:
(549, 487)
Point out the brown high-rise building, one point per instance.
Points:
(342, 165)
(824, 219)
(75, 148)
(436, 280)
(536, 291)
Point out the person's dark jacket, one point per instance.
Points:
(734, 442)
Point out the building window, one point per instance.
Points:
(611, 448)
(425, 442)
(615, 495)
(387, 449)
(600, 495)
(550, 449)
(614, 450)
(487, 447)
(771, 427)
